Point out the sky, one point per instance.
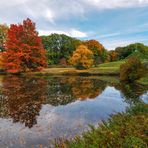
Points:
(113, 23)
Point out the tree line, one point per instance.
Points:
(22, 49)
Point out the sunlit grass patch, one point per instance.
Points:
(143, 80)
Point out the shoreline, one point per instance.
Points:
(96, 71)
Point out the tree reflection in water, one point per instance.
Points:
(64, 90)
(131, 92)
(58, 91)
(84, 88)
(22, 97)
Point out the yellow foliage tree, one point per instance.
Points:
(82, 57)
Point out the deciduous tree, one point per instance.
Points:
(82, 58)
(113, 55)
(24, 50)
(59, 47)
(3, 36)
(97, 49)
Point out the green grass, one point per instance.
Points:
(106, 69)
(122, 130)
(73, 71)
(112, 64)
(143, 80)
(111, 68)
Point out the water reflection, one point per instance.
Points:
(57, 106)
(83, 88)
(23, 97)
(131, 92)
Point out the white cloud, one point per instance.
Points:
(48, 32)
(109, 35)
(62, 9)
(10, 3)
(71, 32)
(50, 13)
(77, 33)
(112, 4)
(112, 44)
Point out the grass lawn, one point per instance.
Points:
(111, 68)
(143, 80)
(105, 69)
(111, 64)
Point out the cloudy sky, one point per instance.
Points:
(112, 22)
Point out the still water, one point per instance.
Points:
(36, 110)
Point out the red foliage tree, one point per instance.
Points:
(24, 50)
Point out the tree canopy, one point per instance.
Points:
(3, 35)
(97, 49)
(24, 50)
(82, 58)
(59, 47)
(136, 49)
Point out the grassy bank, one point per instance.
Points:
(105, 69)
(143, 80)
(111, 68)
(122, 130)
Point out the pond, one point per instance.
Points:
(36, 110)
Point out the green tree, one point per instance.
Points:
(3, 36)
(58, 47)
(137, 49)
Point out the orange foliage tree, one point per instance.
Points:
(113, 55)
(97, 49)
(82, 58)
(24, 50)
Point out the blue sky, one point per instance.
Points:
(112, 22)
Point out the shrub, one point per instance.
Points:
(123, 130)
(82, 58)
(131, 70)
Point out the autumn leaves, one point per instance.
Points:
(24, 51)
(82, 58)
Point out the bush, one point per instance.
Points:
(82, 58)
(122, 130)
(131, 70)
